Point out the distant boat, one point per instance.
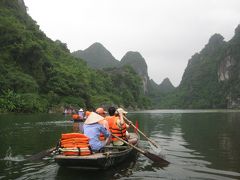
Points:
(111, 156)
(67, 111)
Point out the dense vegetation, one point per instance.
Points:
(158, 93)
(201, 85)
(38, 74)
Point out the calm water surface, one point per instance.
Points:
(200, 144)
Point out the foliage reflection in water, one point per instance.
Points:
(199, 145)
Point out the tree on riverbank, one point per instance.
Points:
(38, 74)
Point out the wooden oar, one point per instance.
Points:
(41, 154)
(153, 157)
(150, 140)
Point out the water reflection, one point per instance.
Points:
(150, 123)
(122, 170)
(216, 137)
(199, 145)
(202, 145)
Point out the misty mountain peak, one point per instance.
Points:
(166, 81)
(237, 33)
(99, 49)
(133, 55)
(216, 39)
(237, 30)
(97, 56)
(96, 46)
(135, 60)
(166, 85)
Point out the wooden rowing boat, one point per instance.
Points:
(111, 156)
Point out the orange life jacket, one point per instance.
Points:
(75, 116)
(110, 120)
(73, 135)
(75, 144)
(120, 132)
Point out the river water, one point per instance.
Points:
(200, 144)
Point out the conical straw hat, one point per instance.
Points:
(93, 118)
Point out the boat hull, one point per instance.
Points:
(113, 156)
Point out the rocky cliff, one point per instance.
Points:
(212, 76)
(138, 63)
(227, 68)
(229, 71)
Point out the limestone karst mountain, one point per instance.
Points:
(212, 76)
(97, 56)
(166, 86)
(138, 63)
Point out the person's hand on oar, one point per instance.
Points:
(153, 157)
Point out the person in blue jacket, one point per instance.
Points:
(93, 129)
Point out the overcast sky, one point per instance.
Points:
(166, 32)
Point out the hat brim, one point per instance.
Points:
(93, 118)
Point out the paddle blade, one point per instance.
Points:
(41, 155)
(156, 158)
(157, 149)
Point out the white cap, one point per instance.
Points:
(121, 110)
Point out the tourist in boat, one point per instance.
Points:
(65, 112)
(86, 114)
(102, 113)
(77, 123)
(118, 127)
(81, 116)
(81, 113)
(93, 129)
(76, 120)
(111, 117)
(103, 122)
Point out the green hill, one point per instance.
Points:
(38, 74)
(97, 56)
(211, 78)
